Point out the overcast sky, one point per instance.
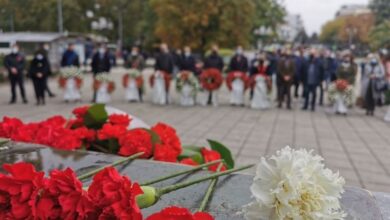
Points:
(317, 12)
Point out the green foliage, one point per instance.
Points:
(191, 153)
(96, 116)
(381, 9)
(379, 36)
(224, 151)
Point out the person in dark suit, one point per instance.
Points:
(38, 72)
(70, 57)
(286, 70)
(239, 62)
(187, 61)
(44, 49)
(164, 61)
(313, 73)
(214, 60)
(299, 71)
(15, 64)
(100, 63)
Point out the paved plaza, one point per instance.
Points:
(356, 145)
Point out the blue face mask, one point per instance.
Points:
(374, 62)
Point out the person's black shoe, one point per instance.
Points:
(304, 108)
(12, 102)
(52, 95)
(25, 101)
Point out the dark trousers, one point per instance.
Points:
(39, 88)
(47, 88)
(321, 102)
(284, 91)
(17, 80)
(310, 91)
(141, 92)
(370, 99)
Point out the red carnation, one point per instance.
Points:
(8, 126)
(189, 161)
(83, 133)
(64, 198)
(109, 131)
(178, 213)
(19, 191)
(80, 111)
(55, 121)
(25, 133)
(212, 155)
(169, 148)
(119, 119)
(114, 195)
(135, 141)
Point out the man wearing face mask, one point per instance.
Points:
(312, 76)
(39, 71)
(70, 57)
(187, 61)
(100, 63)
(372, 84)
(164, 61)
(44, 50)
(14, 63)
(239, 62)
(214, 60)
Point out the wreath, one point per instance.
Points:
(70, 72)
(103, 78)
(237, 75)
(211, 79)
(186, 77)
(167, 79)
(343, 88)
(268, 81)
(133, 74)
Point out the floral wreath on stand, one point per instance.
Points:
(211, 79)
(167, 79)
(342, 87)
(186, 77)
(268, 80)
(104, 78)
(70, 72)
(133, 74)
(237, 75)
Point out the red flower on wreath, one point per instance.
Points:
(211, 79)
(167, 79)
(234, 75)
(110, 131)
(139, 81)
(212, 155)
(119, 119)
(63, 198)
(169, 147)
(19, 191)
(178, 213)
(114, 195)
(189, 161)
(341, 85)
(135, 141)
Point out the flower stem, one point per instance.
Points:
(93, 172)
(209, 191)
(180, 173)
(175, 187)
(4, 141)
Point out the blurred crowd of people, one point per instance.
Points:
(287, 73)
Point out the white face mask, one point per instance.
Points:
(15, 50)
(134, 53)
(239, 51)
(187, 53)
(102, 50)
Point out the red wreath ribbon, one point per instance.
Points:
(268, 80)
(96, 85)
(234, 75)
(211, 79)
(167, 79)
(62, 82)
(139, 80)
(341, 85)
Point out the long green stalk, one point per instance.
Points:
(160, 179)
(118, 162)
(209, 191)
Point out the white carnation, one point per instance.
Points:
(294, 184)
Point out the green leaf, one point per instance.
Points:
(193, 148)
(155, 137)
(224, 151)
(194, 155)
(96, 116)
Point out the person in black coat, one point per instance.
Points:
(187, 61)
(70, 57)
(164, 61)
(39, 71)
(100, 63)
(239, 62)
(312, 77)
(15, 63)
(214, 60)
(44, 49)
